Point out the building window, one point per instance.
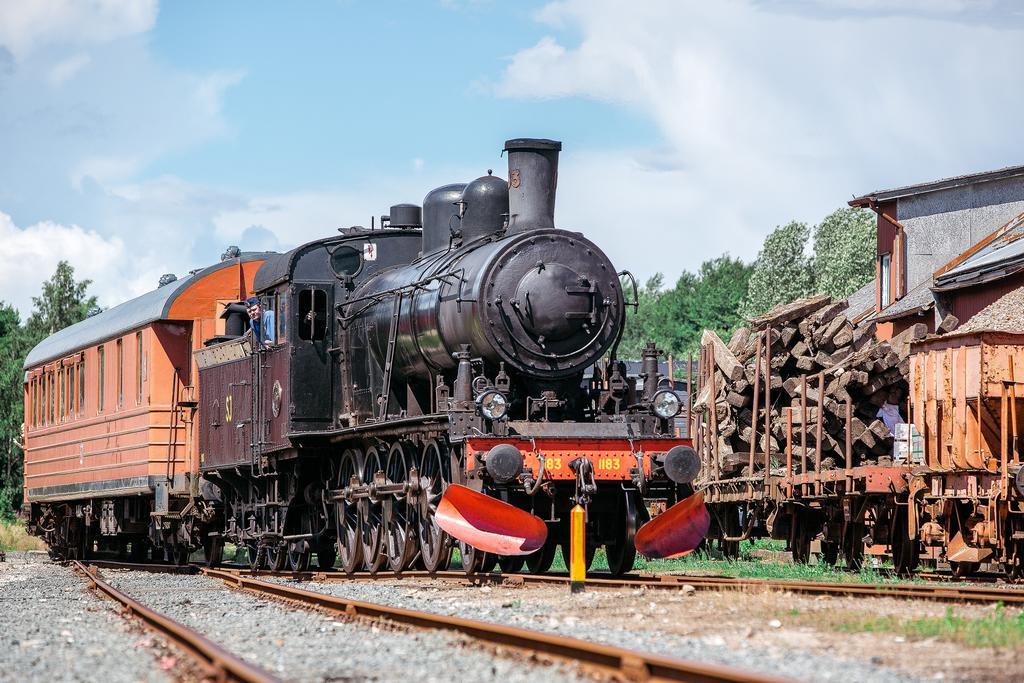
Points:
(138, 368)
(100, 364)
(885, 279)
(120, 372)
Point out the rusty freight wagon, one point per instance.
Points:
(968, 495)
(110, 418)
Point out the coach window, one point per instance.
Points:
(138, 368)
(53, 397)
(81, 386)
(100, 363)
(312, 320)
(61, 398)
(120, 372)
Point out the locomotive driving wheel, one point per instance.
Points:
(435, 473)
(476, 561)
(277, 557)
(371, 520)
(347, 517)
(399, 512)
(622, 552)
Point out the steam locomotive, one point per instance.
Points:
(425, 388)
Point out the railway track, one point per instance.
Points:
(942, 592)
(216, 662)
(931, 591)
(610, 660)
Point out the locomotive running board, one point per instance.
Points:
(675, 532)
(488, 524)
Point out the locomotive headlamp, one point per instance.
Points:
(666, 404)
(493, 404)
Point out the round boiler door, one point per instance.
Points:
(553, 302)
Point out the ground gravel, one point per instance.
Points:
(56, 629)
(553, 610)
(306, 645)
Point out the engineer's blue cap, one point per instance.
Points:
(252, 301)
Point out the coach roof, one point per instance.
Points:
(124, 317)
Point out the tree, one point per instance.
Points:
(782, 271)
(674, 318)
(12, 354)
(63, 302)
(844, 252)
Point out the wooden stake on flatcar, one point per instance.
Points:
(753, 417)
(767, 403)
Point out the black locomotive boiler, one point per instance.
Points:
(442, 352)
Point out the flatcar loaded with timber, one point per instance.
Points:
(425, 387)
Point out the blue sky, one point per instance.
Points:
(139, 138)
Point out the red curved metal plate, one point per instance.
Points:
(675, 532)
(489, 524)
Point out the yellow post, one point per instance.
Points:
(577, 543)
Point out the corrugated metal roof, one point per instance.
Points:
(130, 315)
(936, 185)
(918, 299)
(1001, 257)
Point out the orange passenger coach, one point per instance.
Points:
(110, 410)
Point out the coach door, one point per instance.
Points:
(311, 380)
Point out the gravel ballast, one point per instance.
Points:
(300, 644)
(56, 629)
(653, 624)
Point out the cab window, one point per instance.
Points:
(312, 314)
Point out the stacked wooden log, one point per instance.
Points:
(807, 345)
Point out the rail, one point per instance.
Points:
(218, 663)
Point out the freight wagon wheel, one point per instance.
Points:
(906, 552)
(347, 519)
(371, 517)
(853, 544)
(800, 534)
(399, 512)
(435, 473)
(540, 561)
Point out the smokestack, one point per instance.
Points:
(532, 179)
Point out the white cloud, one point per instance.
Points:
(30, 255)
(768, 113)
(66, 70)
(27, 25)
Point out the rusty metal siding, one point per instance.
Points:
(965, 303)
(225, 407)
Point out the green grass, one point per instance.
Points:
(1000, 629)
(14, 536)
